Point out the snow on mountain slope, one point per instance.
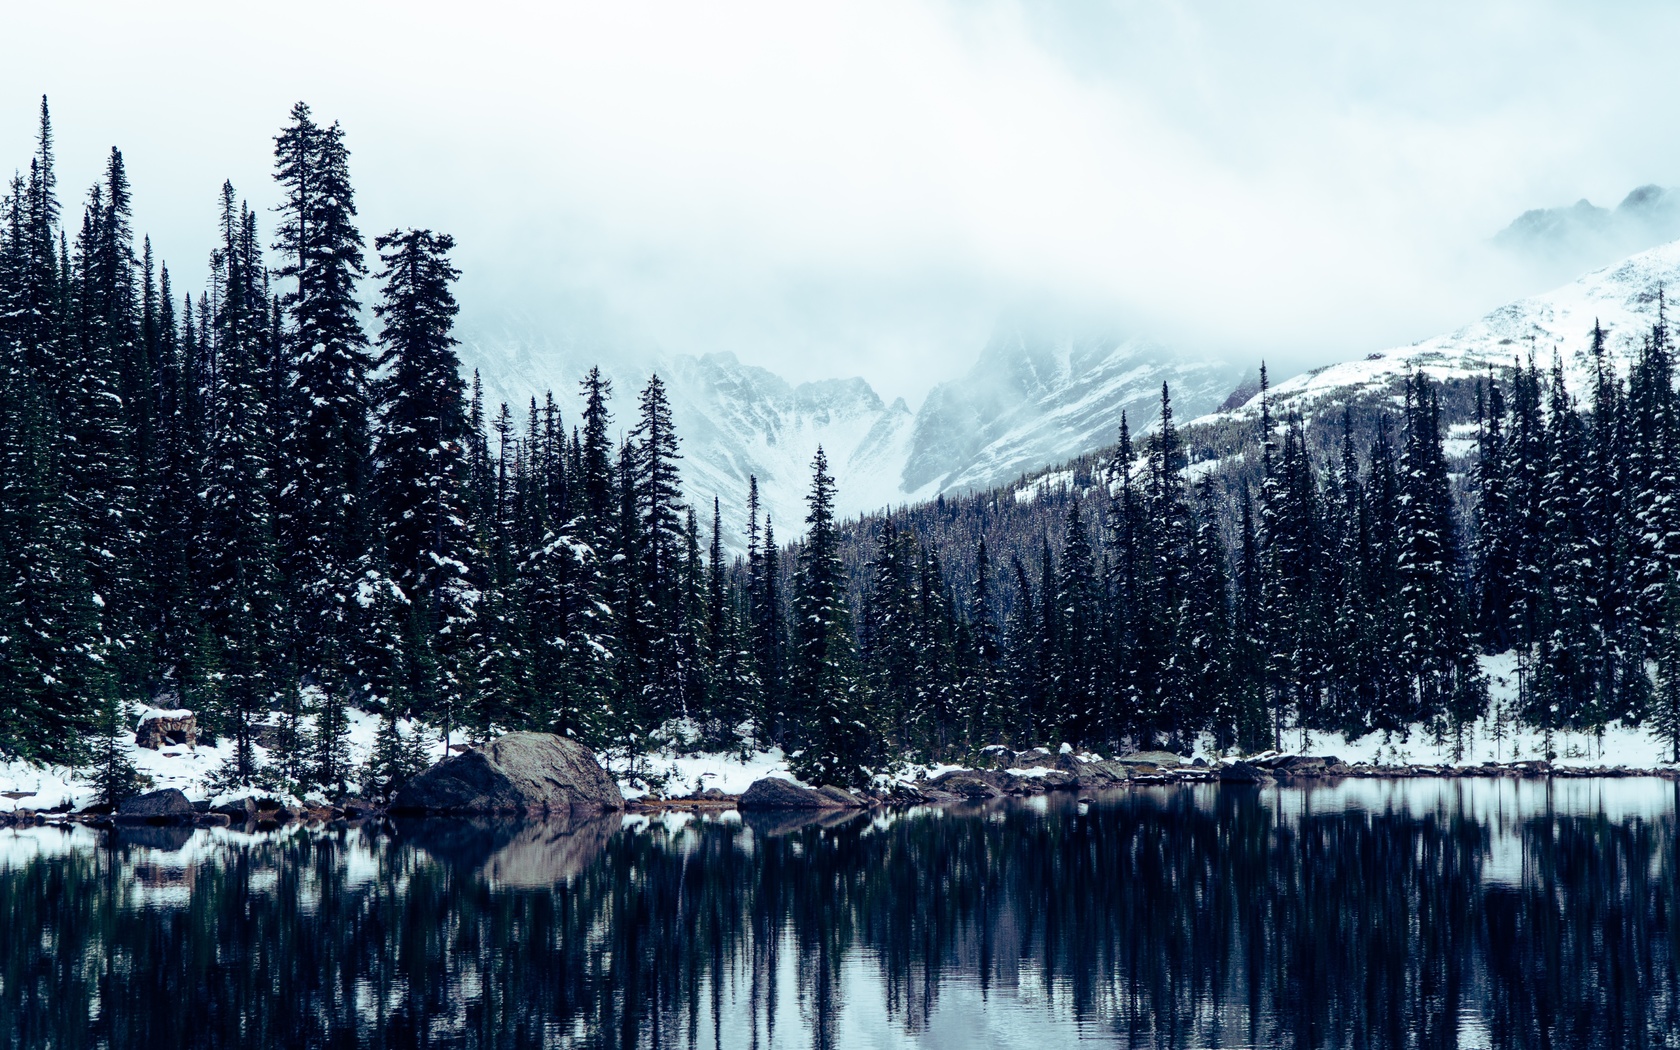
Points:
(1029, 401)
(1033, 400)
(739, 420)
(1623, 298)
(734, 421)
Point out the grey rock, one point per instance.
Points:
(841, 796)
(167, 806)
(776, 793)
(1160, 759)
(1101, 774)
(967, 785)
(1242, 773)
(1037, 758)
(238, 809)
(160, 729)
(525, 773)
(1304, 765)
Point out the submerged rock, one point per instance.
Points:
(167, 806)
(523, 773)
(776, 793)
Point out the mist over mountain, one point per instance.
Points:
(1562, 242)
(1034, 396)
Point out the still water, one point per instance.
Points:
(1360, 914)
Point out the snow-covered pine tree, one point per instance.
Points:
(837, 745)
(1025, 675)
(1665, 707)
(658, 556)
(1079, 634)
(325, 436)
(1624, 686)
(1206, 622)
(112, 771)
(1126, 558)
(421, 456)
(1446, 686)
(987, 721)
(596, 457)
(1247, 710)
(94, 415)
(886, 636)
(235, 549)
(1566, 650)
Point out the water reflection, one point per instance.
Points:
(1367, 914)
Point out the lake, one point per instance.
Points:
(1364, 913)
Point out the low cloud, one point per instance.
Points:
(866, 188)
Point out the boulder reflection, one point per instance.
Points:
(1443, 915)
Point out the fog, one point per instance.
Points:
(865, 188)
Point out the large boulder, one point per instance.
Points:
(777, 793)
(1243, 773)
(1103, 773)
(157, 729)
(168, 806)
(526, 773)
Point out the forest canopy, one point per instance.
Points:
(277, 497)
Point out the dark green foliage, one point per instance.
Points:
(237, 501)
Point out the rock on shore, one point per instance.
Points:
(168, 806)
(526, 773)
(776, 793)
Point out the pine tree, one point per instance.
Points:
(113, 774)
(658, 556)
(1665, 711)
(1445, 683)
(421, 454)
(837, 746)
(987, 719)
(325, 440)
(235, 550)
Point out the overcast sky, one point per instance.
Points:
(864, 187)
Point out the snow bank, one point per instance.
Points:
(1493, 738)
(24, 785)
(685, 774)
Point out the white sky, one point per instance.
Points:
(862, 188)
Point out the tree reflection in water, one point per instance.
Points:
(1440, 913)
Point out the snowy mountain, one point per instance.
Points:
(1623, 298)
(1032, 400)
(1029, 401)
(1569, 240)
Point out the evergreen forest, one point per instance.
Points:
(277, 498)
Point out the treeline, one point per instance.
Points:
(244, 502)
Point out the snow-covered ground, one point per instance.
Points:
(680, 774)
(1494, 738)
(24, 785)
(678, 770)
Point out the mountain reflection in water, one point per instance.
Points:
(1365, 914)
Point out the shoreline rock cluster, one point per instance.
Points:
(546, 776)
